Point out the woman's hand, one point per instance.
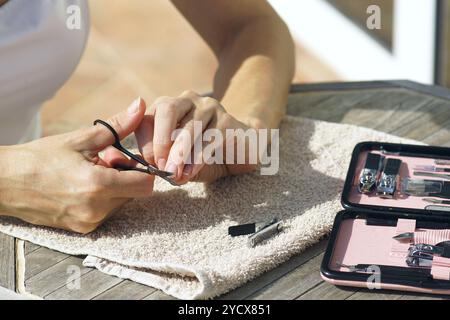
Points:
(154, 137)
(61, 181)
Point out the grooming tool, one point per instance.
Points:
(143, 166)
(441, 162)
(420, 261)
(431, 236)
(423, 188)
(441, 249)
(436, 201)
(370, 173)
(431, 169)
(249, 228)
(432, 175)
(265, 233)
(397, 153)
(387, 270)
(259, 231)
(422, 255)
(387, 184)
(419, 224)
(437, 208)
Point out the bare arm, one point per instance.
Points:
(255, 53)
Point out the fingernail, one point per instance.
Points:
(171, 167)
(161, 164)
(188, 169)
(134, 107)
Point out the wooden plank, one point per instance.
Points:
(30, 247)
(328, 106)
(443, 44)
(40, 260)
(294, 284)
(7, 262)
(327, 291)
(412, 296)
(366, 294)
(126, 290)
(380, 109)
(54, 277)
(92, 284)
(159, 295)
(428, 121)
(385, 110)
(275, 274)
(339, 87)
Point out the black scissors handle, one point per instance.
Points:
(148, 167)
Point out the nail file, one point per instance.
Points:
(432, 175)
(419, 224)
(389, 270)
(436, 201)
(431, 168)
(437, 208)
(441, 162)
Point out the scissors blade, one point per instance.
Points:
(155, 171)
(151, 170)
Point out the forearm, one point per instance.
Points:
(5, 173)
(255, 72)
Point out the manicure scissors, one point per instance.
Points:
(143, 166)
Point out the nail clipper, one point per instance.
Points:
(259, 231)
(387, 184)
(370, 173)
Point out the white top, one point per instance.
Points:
(38, 53)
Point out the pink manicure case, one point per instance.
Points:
(363, 232)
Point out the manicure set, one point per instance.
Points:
(396, 220)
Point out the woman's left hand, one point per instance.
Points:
(194, 114)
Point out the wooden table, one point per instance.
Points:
(402, 108)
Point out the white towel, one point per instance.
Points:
(177, 240)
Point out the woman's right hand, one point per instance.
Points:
(60, 181)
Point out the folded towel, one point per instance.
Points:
(177, 240)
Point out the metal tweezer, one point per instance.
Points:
(143, 166)
(432, 174)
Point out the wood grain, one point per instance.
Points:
(126, 290)
(40, 260)
(269, 277)
(7, 262)
(293, 284)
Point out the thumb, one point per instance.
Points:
(124, 123)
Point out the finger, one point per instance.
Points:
(168, 113)
(124, 123)
(126, 184)
(144, 138)
(201, 158)
(114, 158)
(190, 136)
